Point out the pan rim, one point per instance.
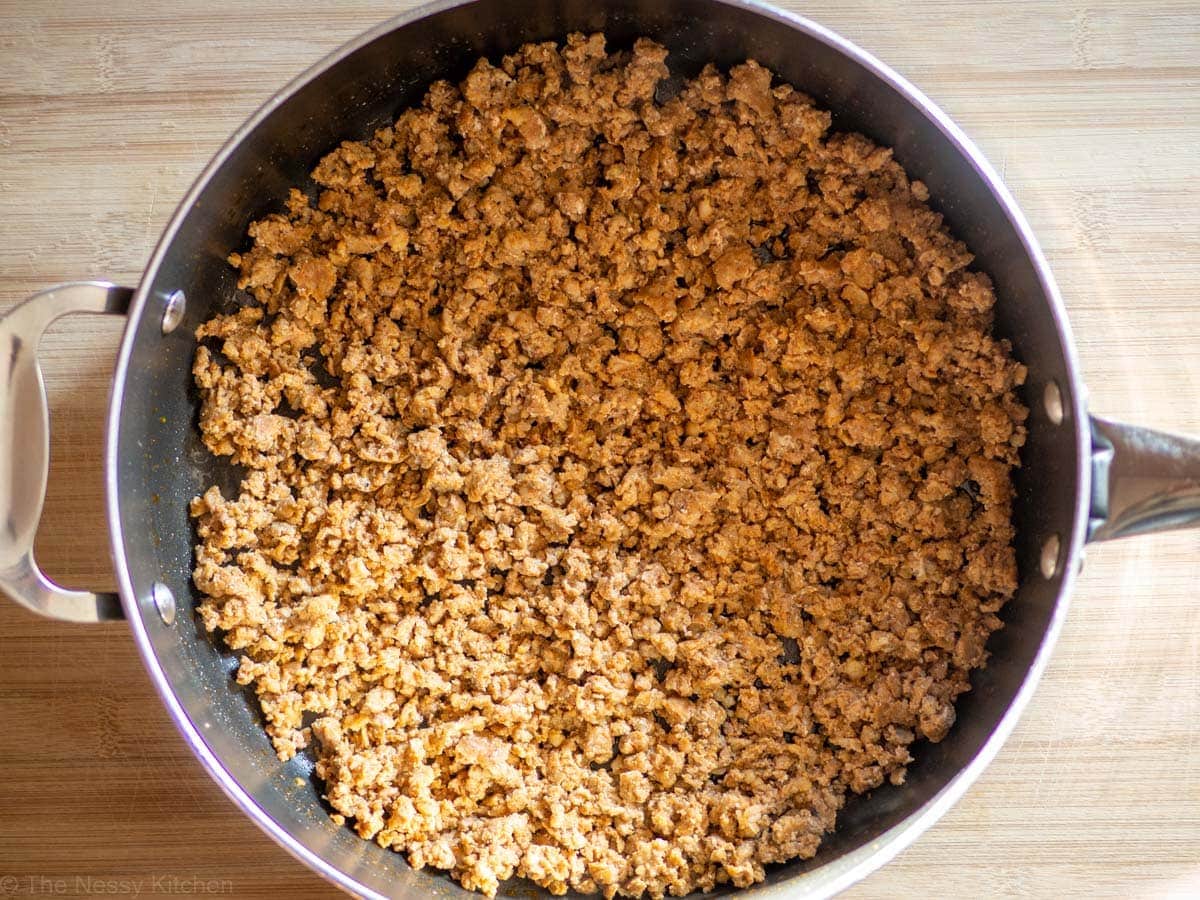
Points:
(827, 879)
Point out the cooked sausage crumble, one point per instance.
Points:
(626, 474)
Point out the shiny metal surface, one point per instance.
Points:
(25, 449)
(1142, 481)
(1051, 551)
(1052, 403)
(152, 446)
(164, 602)
(173, 310)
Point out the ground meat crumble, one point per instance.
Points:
(626, 476)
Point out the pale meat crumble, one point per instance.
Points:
(626, 474)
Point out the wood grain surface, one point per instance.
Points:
(1091, 110)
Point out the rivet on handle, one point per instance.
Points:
(164, 602)
(1053, 402)
(173, 311)
(1049, 561)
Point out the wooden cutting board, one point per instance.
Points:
(1091, 110)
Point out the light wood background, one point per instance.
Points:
(1091, 110)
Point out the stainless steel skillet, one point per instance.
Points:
(1078, 477)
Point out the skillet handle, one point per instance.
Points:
(1142, 481)
(25, 449)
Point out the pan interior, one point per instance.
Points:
(161, 463)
